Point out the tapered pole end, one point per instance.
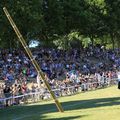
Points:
(4, 8)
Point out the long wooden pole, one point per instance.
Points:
(34, 62)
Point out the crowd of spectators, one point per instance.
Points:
(63, 68)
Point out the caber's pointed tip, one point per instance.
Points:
(4, 8)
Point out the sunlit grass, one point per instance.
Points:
(102, 104)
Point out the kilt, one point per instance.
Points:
(118, 84)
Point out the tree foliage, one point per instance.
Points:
(52, 20)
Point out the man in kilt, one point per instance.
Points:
(118, 75)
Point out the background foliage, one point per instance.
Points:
(61, 23)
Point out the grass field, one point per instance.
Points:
(102, 104)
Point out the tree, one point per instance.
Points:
(92, 24)
(112, 20)
(27, 16)
(53, 18)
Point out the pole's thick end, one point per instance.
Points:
(59, 106)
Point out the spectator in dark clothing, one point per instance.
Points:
(7, 93)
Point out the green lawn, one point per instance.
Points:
(102, 104)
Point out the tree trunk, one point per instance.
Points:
(113, 41)
(92, 40)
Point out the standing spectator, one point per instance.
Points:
(7, 93)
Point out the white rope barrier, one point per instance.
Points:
(63, 91)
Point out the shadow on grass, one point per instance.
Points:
(60, 118)
(91, 103)
(22, 112)
(66, 118)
